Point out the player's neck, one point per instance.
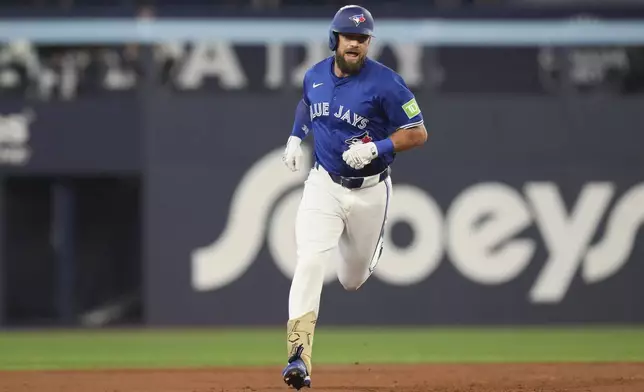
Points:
(338, 72)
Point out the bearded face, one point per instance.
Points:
(351, 52)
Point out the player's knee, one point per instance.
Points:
(309, 266)
(350, 284)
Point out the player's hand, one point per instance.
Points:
(360, 154)
(292, 156)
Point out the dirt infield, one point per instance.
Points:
(357, 378)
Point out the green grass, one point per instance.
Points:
(200, 347)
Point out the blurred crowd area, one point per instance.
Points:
(67, 71)
(301, 3)
(149, 8)
(235, 3)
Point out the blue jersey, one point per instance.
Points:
(367, 106)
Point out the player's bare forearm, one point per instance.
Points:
(406, 139)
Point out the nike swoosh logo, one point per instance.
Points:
(317, 84)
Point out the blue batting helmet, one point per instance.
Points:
(350, 19)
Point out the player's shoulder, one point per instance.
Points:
(385, 75)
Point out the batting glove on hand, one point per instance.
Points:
(292, 156)
(360, 154)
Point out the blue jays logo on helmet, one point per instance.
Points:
(350, 19)
(357, 19)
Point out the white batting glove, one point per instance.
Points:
(360, 154)
(292, 156)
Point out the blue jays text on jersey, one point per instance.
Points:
(322, 109)
(367, 106)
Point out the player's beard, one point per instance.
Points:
(347, 67)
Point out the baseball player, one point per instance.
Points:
(361, 114)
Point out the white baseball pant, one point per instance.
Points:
(336, 225)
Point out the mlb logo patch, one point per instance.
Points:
(357, 19)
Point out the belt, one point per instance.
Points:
(356, 182)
